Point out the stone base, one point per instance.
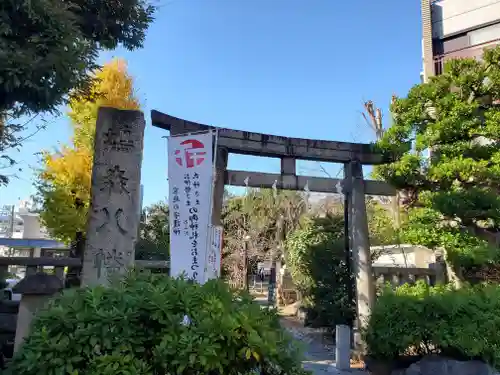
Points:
(428, 365)
(302, 314)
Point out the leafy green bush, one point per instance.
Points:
(316, 256)
(152, 324)
(465, 250)
(461, 323)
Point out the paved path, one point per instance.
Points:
(320, 354)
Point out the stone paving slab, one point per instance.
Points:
(320, 368)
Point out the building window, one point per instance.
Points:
(484, 35)
(439, 66)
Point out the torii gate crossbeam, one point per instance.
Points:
(354, 187)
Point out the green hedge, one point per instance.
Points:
(317, 261)
(153, 324)
(420, 320)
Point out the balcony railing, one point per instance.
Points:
(475, 51)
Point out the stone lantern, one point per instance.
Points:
(36, 290)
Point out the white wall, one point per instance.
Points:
(403, 256)
(452, 16)
(31, 228)
(396, 260)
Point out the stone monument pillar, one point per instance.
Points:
(116, 177)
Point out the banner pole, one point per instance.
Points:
(212, 187)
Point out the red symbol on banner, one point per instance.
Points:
(191, 155)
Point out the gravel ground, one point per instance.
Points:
(319, 351)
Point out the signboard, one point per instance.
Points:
(214, 253)
(190, 177)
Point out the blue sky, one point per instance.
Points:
(299, 68)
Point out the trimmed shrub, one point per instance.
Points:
(418, 320)
(316, 257)
(153, 324)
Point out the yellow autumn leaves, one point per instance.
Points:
(66, 173)
(113, 88)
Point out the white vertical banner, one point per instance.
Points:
(190, 177)
(214, 256)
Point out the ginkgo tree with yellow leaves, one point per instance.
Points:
(63, 187)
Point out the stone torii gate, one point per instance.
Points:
(354, 187)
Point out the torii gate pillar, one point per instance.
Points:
(220, 180)
(353, 155)
(360, 244)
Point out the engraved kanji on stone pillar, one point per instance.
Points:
(113, 220)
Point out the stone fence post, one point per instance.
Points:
(440, 266)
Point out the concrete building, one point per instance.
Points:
(26, 222)
(457, 28)
(10, 226)
(22, 234)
